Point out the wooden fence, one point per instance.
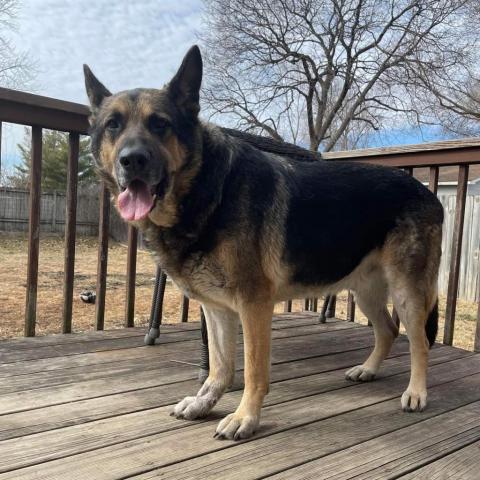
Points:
(14, 205)
(468, 282)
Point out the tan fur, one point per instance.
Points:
(256, 322)
(165, 213)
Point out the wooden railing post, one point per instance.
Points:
(350, 307)
(33, 232)
(456, 253)
(433, 182)
(287, 306)
(476, 342)
(102, 257)
(70, 230)
(0, 150)
(131, 275)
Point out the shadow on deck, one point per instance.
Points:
(95, 406)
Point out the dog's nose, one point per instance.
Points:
(133, 159)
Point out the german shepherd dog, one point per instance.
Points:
(240, 229)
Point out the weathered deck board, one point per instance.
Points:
(91, 408)
(462, 464)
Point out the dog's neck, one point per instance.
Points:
(183, 216)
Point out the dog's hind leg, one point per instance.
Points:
(372, 300)
(413, 314)
(412, 261)
(222, 327)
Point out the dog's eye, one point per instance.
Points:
(157, 124)
(113, 124)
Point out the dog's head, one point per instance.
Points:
(143, 140)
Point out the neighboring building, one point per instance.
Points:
(448, 179)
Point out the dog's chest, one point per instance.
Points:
(200, 277)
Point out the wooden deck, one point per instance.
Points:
(95, 406)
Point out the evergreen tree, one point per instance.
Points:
(54, 162)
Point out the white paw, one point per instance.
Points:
(237, 427)
(414, 401)
(359, 373)
(191, 408)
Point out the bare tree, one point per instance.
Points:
(322, 72)
(450, 92)
(15, 67)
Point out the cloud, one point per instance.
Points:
(127, 44)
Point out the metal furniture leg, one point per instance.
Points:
(204, 363)
(157, 305)
(323, 317)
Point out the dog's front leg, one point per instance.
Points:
(256, 322)
(222, 327)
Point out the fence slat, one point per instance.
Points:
(70, 230)
(456, 255)
(33, 232)
(433, 182)
(131, 275)
(102, 257)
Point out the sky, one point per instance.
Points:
(126, 43)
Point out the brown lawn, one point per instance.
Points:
(13, 261)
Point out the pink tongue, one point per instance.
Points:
(136, 201)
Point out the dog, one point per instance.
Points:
(240, 229)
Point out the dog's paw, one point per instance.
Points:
(237, 427)
(191, 408)
(414, 401)
(359, 373)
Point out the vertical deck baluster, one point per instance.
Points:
(102, 257)
(131, 276)
(0, 149)
(287, 306)
(456, 254)
(184, 311)
(70, 230)
(476, 342)
(33, 232)
(433, 183)
(350, 307)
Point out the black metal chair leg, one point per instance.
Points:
(157, 306)
(332, 304)
(323, 317)
(204, 362)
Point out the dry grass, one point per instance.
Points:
(13, 258)
(13, 261)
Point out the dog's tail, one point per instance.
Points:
(431, 327)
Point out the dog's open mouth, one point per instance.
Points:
(136, 201)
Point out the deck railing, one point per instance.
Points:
(46, 113)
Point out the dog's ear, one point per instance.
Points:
(96, 91)
(184, 88)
